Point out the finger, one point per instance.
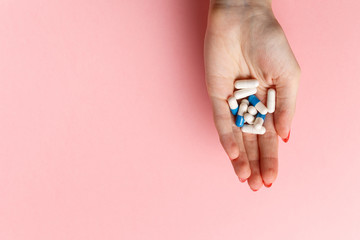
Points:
(241, 164)
(252, 150)
(224, 123)
(268, 146)
(286, 91)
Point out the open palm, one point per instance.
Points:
(242, 44)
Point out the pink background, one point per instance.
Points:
(106, 129)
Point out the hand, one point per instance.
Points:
(246, 41)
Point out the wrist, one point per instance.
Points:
(240, 3)
(241, 9)
(239, 15)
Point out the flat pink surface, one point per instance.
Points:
(107, 133)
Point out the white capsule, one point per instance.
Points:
(258, 123)
(248, 83)
(252, 110)
(249, 118)
(251, 129)
(243, 93)
(233, 104)
(271, 95)
(245, 101)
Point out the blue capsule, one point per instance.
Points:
(239, 121)
(233, 104)
(259, 115)
(234, 111)
(257, 104)
(259, 121)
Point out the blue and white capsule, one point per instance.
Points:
(233, 104)
(240, 115)
(257, 104)
(259, 121)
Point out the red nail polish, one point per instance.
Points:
(255, 190)
(242, 180)
(269, 185)
(287, 138)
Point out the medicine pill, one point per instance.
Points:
(244, 106)
(243, 93)
(249, 118)
(259, 121)
(270, 102)
(240, 116)
(257, 104)
(233, 104)
(245, 101)
(239, 120)
(248, 83)
(250, 129)
(252, 110)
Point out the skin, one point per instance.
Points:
(244, 40)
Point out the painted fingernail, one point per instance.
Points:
(287, 138)
(255, 190)
(267, 185)
(242, 180)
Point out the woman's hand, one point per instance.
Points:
(244, 40)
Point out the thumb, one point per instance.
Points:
(286, 92)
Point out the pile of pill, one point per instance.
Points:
(250, 114)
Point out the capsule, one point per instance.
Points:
(248, 83)
(257, 104)
(252, 110)
(249, 118)
(251, 129)
(259, 121)
(270, 102)
(243, 93)
(240, 115)
(233, 104)
(245, 105)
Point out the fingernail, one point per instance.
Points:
(242, 180)
(255, 190)
(267, 185)
(287, 138)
